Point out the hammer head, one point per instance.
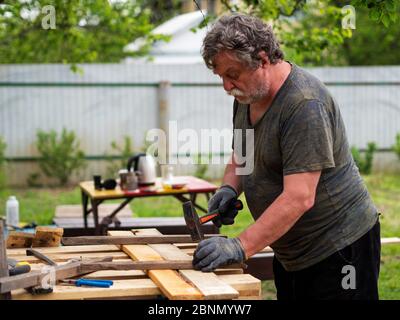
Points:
(192, 221)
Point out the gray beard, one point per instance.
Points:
(258, 95)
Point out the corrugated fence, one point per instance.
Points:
(109, 101)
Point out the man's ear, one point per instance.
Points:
(264, 58)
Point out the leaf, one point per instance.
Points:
(386, 20)
(374, 14)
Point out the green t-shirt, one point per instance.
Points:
(303, 131)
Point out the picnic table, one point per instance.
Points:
(194, 186)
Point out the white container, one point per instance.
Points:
(12, 210)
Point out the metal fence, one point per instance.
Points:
(110, 101)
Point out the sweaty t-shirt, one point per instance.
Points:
(303, 131)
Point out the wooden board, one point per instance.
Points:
(66, 249)
(58, 257)
(134, 288)
(126, 287)
(75, 211)
(207, 283)
(169, 282)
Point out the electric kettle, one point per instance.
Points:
(145, 167)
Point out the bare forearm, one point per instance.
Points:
(276, 220)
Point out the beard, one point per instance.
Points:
(254, 95)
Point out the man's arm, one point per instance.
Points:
(230, 176)
(298, 197)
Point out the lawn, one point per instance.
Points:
(38, 205)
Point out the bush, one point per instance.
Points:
(60, 156)
(3, 147)
(364, 164)
(396, 147)
(125, 152)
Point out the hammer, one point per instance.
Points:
(194, 222)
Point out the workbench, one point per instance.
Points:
(224, 283)
(194, 186)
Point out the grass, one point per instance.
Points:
(38, 205)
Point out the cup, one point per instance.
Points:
(167, 173)
(97, 182)
(128, 180)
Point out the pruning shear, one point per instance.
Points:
(89, 282)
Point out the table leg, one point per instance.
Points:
(84, 208)
(95, 208)
(112, 217)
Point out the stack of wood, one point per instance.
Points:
(43, 237)
(225, 283)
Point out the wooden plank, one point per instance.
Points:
(145, 239)
(208, 283)
(66, 249)
(75, 210)
(246, 284)
(138, 265)
(68, 256)
(18, 239)
(169, 282)
(120, 288)
(117, 274)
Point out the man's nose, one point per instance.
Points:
(228, 85)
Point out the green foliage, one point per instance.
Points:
(60, 156)
(86, 31)
(396, 147)
(385, 12)
(311, 31)
(364, 164)
(3, 147)
(33, 180)
(371, 43)
(124, 152)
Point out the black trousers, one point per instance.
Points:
(348, 274)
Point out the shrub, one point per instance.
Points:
(364, 164)
(125, 152)
(60, 156)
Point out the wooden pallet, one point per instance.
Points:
(138, 284)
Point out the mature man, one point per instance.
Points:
(305, 191)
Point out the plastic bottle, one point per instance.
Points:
(12, 210)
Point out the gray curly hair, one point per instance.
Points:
(245, 35)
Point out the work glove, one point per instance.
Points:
(216, 252)
(221, 200)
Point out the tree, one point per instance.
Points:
(311, 31)
(72, 31)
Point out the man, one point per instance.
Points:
(305, 191)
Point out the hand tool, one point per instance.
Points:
(39, 289)
(40, 256)
(16, 268)
(194, 222)
(89, 282)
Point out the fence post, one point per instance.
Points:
(163, 117)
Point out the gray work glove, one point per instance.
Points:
(221, 201)
(216, 252)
